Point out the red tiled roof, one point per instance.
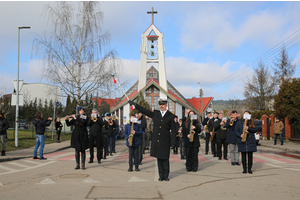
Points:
(195, 102)
(110, 102)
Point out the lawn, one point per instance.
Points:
(27, 138)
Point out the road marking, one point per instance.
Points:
(33, 167)
(61, 156)
(90, 180)
(17, 164)
(46, 181)
(137, 179)
(282, 167)
(6, 168)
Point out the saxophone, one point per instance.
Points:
(213, 135)
(180, 133)
(245, 132)
(223, 126)
(131, 135)
(206, 127)
(192, 132)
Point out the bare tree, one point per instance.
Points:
(283, 67)
(5, 105)
(76, 53)
(233, 103)
(259, 91)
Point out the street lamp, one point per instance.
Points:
(17, 104)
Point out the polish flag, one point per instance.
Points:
(132, 107)
(115, 80)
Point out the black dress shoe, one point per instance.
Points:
(160, 179)
(35, 157)
(137, 169)
(195, 170)
(77, 166)
(43, 158)
(130, 169)
(232, 163)
(244, 172)
(237, 163)
(219, 158)
(188, 170)
(140, 163)
(167, 179)
(225, 158)
(206, 153)
(249, 171)
(215, 156)
(90, 161)
(99, 162)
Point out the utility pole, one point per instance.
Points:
(201, 97)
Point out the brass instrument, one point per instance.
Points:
(110, 123)
(223, 127)
(232, 122)
(94, 117)
(245, 132)
(180, 133)
(192, 132)
(213, 134)
(206, 127)
(131, 135)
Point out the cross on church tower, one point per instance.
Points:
(152, 13)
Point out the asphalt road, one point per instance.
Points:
(274, 177)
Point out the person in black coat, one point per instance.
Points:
(207, 135)
(79, 138)
(111, 132)
(249, 146)
(143, 123)
(3, 127)
(40, 127)
(176, 145)
(221, 138)
(191, 147)
(213, 125)
(95, 137)
(58, 127)
(232, 138)
(164, 134)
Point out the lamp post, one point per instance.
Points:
(17, 104)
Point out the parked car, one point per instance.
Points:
(258, 134)
(23, 124)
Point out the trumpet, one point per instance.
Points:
(94, 119)
(110, 123)
(232, 122)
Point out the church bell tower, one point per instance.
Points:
(153, 51)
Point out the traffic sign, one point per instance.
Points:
(20, 84)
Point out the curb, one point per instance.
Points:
(23, 157)
(282, 149)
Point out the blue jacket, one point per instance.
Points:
(231, 136)
(40, 125)
(136, 137)
(250, 144)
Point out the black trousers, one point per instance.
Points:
(105, 146)
(192, 158)
(222, 142)
(134, 154)
(182, 149)
(207, 139)
(141, 148)
(250, 160)
(77, 157)
(58, 135)
(96, 139)
(214, 147)
(163, 168)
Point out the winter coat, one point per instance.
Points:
(164, 132)
(96, 127)
(250, 144)
(278, 127)
(136, 137)
(221, 134)
(3, 126)
(186, 132)
(57, 125)
(40, 125)
(231, 136)
(79, 138)
(143, 123)
(111, 130)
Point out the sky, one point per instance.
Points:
(212, 45)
